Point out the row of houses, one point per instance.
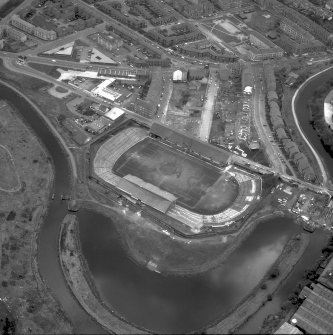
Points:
(232, 4)
(192, 34)
(290, 147)
(109, 9)
(211, 52)
(47, 35)
(194, 9)
(8, 31)
(283, 11)
(151, 11)
(127, 35)
(166, 62)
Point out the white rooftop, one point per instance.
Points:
(114, 113)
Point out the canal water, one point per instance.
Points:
(318, 239)
(167, 304)
(176, 304)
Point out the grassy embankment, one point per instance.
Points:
(147, 242)
(78, 277)
(22, 212)
(50, 70)
(6, 6)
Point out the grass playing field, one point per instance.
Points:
(198, 186)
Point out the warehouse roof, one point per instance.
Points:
(187, 142)
(316, 313)
(326, 278)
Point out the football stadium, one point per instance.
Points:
(182, 177)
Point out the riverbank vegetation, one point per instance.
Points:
(25, 295)
(79, 279)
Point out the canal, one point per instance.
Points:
(161, 303)
(48, 261)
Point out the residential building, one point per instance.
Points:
(232, 4)
(108, 42)
(283, 11)
(294, 31)
(119, 16)
(17, 22)
(208, 50)
(143, 107)
(46, 35)
(13, 33)
(194, 9)
(292, 46)
(262, 48)
(167, 41)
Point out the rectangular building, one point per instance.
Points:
(17, 22)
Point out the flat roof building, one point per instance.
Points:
(114, 113)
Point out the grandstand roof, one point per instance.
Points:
(151, 199)
(187, 142)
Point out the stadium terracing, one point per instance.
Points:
(136, 189)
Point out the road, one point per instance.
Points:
(208, 108)
(326, 181)
(13, 66)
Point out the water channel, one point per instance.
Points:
(161, 303)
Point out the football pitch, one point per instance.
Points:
(198, 186)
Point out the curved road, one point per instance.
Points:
(319, 161)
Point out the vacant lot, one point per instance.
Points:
(197, 185)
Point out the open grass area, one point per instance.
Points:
(197, 185)
(8, 176)
(21, 82)
(50, 70)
